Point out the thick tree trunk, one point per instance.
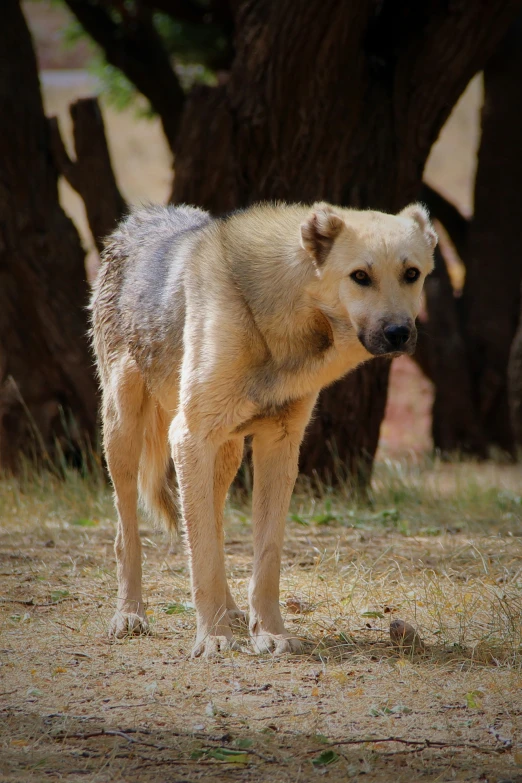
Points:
(340, 102)
(515, 384)
(441, 354)
(47, 390)
(441, 349)
(491, 296)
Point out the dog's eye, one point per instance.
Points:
(411, 275)
(361, 277)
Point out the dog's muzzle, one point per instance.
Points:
(390, 338)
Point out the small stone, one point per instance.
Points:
(297, 605)
(405, 636)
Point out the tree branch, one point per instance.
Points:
(419, 744)
(449, 215)
(135, 48)
(440, 53)
(64, 164)
(91, 174)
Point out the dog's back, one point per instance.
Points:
(141, 272)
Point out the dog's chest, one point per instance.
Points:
(275, 384)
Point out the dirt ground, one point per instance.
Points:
(439, 547)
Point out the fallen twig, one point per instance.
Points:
(419, 744)
(125, 735)
(31, 601)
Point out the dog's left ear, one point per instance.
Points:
(319, 231)
(420, 215)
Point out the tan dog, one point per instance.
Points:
(208, 330)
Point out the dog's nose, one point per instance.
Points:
(397, 336)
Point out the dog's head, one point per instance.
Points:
(372, 266)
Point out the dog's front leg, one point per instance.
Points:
(195, 457)
(275, 452)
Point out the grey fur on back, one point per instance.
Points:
(139, 283)
(139, 280)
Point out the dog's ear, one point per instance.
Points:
(420, 215)
(319, 231)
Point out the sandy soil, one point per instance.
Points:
(438, 549)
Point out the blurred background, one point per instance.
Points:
(437, 92)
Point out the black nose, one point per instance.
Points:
(397, 336)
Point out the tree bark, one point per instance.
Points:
(90, 174)
(48, 397)
(515, 384)
(491, 296)
(340, 102)
(451, 218)
(441, 348)
(441, 354)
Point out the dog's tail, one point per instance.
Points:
(157, 478)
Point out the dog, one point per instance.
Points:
(207, 330)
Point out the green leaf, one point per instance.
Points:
(299, 520)
(84, 522)
(474, 700)
(373, 614)
(229, 755)
(324, 758)
(378, 712)
(57, 595)
(176, 608)
(324, 519)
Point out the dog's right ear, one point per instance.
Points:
(319, 231)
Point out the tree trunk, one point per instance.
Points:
(90, 174)
(515, 383)
(491, 296)
(441, 354)
(336, 101)
(441, 349)
(47, 390)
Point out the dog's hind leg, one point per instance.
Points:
(228, 460)
(125, 406)
(275, 451)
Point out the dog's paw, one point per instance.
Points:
(212, 646)
(276, 643)
(128, 624)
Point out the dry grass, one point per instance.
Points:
(438, 547)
